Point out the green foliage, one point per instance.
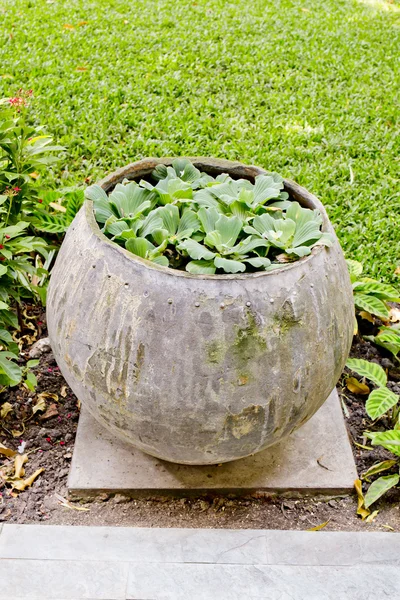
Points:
(25, 152)
(213, 78)
(370, 295)
(388, 338)
(190, 220)
(380, 402)
(24, 258)
(379, 487)
(367, 369)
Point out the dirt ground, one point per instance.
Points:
(47, 436)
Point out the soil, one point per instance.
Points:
(48, 439)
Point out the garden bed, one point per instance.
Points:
(49, 439)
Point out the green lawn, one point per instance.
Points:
(308, 88)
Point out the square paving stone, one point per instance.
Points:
(316, 459)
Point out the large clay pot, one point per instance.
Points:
(197, 369)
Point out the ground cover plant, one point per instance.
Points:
(307, 89)
(189, 220)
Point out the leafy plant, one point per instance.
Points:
(25, 152)
(371, 296)
(380, 401)
(24, 257)
(388, 338)
(189, 220)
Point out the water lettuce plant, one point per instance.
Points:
(186, 219)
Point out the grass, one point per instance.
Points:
(303, 87)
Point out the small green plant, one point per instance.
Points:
(371, 296)
(189, 220)
(381, 401)
(388, 337)
(25, 152)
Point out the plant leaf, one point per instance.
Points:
(379, 402)
(387, 439)
(378, 468)
(367, 369)
(373, 305)
(228, 265)
(196, 250)
(201, 267)
(380, 487)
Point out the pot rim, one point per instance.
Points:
(134, 170)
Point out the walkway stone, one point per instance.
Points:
(315, 459)
(41, 562)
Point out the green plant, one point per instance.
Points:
(191, 221)
(370, 295)
(25, 152)
(388, 337)
(380, 402)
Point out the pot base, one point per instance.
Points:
(101, 463)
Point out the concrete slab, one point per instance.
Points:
(316, 459)
(47, 562)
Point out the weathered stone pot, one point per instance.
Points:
(197, 369)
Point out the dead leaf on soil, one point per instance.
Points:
(47, 396)
(63, 391)
(7, 451)
(361, 510)
(372, 516)
(318, 527)
(357, 387)
(16, 433)
(367, 316)
(5, 409)
(40, 405)
(50, 412)
(22, 484)
(388, 527)
(64, 502)
(19, 462)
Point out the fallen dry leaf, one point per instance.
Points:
(5, 409)
(367, 316)
(19, 462)
(361, 510)
(68, 26)
(21, 484)
(318, 527)
(64, 502)
(372, 516)
(356, 387)
(82, 23)
(81, 69)
(397, 271)
(50, 412)
(16, 433)
(48, 396)
(63, 391)
(34, 175)
(7, 451)
(58, 207)
(40, 405)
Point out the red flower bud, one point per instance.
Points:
(1, 246)
(2, 258)
(48, 439)
(40, 201)
(7, 237)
